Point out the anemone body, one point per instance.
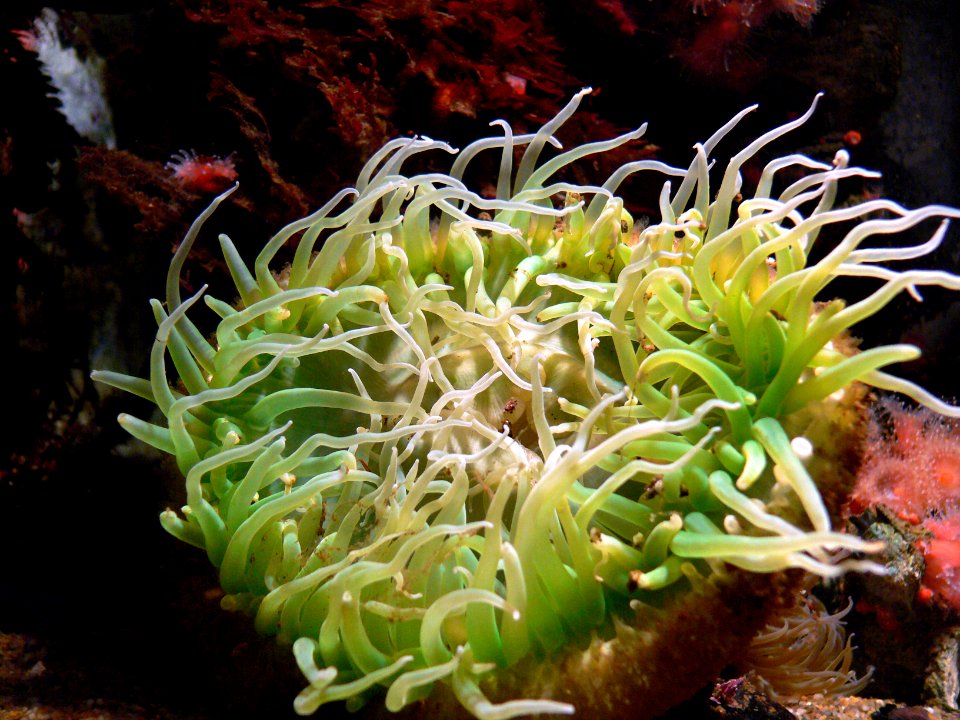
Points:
(460, 434)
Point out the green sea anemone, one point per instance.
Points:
(459, 435)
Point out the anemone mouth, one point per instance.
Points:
(468, 433)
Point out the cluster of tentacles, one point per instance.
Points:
(458, 431)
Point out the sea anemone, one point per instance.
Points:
(469, 434)
(203, 173)
(805, 652)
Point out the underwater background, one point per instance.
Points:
(102, 614)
